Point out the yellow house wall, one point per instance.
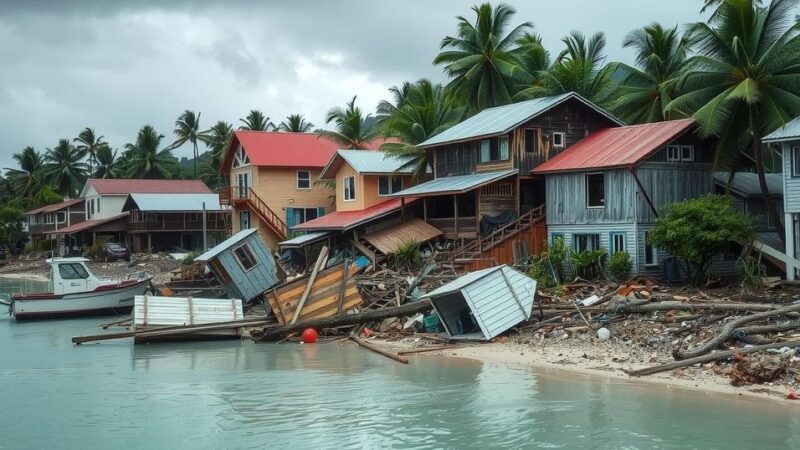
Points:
(366, 190)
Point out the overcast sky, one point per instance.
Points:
(115, 66)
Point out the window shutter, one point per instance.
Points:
(290, 217)
(320, 211)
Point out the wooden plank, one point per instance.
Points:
(323, 256)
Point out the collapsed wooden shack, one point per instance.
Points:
(243, 265)
(153, 313)
(482, 304)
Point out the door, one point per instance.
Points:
(72, 277)
(242, 184)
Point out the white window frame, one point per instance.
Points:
(690, 157)
(576, 237)
(502, 148)
(587, 190)
(240, 158)
(393, 182)
(349, 194)
(563, 137)
(676, 156)
(299, 179)
(652, 253)
(249, 250)
(65, 217)
(795, 160)
(615, 236)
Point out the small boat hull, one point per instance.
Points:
(115, 299)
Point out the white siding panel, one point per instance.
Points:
(791, 188)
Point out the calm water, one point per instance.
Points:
(246, 395)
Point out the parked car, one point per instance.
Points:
(115, 251)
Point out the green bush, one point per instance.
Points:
(588, 264)
(44, 245)
(543, 272)
(752, 273)
(557, 253)
(94, 252)
(697, 230)
(620, 265)
(408, 255)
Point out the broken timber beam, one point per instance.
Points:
(379, 350)
(276, 332)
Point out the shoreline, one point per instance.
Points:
(24, 276)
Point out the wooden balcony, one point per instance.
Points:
(467, 227)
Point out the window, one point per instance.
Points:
(650, 252)
(244, 256)
(91, 206)
(61, 217)
(494, 149)
(617, 242)
(72, 272)
(304, 214)
(531, 141)
(687, 153)
(98, 206)
(303, 179)
(595, 190)
(680, 153)
(240, 158)
(559, 139)
(244, 220)
(555, 237)
(796, 161)
(349, 189)
(389, 185)
(673, 153)
(586, 242)
(48, 218)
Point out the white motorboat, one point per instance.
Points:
(75, 291)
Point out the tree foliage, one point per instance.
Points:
(146, 160)
(256, 121)
(187, 129)
(64, 168)
(353, 128)
(295, 123)
(697, 230)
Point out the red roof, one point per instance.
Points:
(55, 206)
(89, 224)
(343, 220)
(105, 186)
(279, 149)
(616, 147)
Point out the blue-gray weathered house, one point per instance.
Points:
(243, 265)
(788, 138)
(608, 189)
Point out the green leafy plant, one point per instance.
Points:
(190, 257)
(543, 272)
(45, 245)
(752, 273)
(588, 264)
(407, 256)
(697, 230)
(94, 252)
(620, 265)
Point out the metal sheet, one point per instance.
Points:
(368, 162)
(226, 244)
(303, 239)
(454, 185)
(389, 239)
(746, 183)
(788, 132)
(174, 202)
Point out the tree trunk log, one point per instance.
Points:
(728, 330)
(709, 358)
(680, 306)
(276, 332)
(764, 329)
(378, 350)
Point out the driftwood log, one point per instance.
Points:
(681, 306)
(276, 332)
(764, 329)
(728, 331)
(709, 358)
(379, 350)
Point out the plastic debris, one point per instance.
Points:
(603, 334)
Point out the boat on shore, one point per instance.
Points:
(75, 291)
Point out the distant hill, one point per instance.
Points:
(187, 164)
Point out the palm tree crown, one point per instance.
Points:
(108, 165)
(256, 121)
(296, 123)
(27, 178)
(217, 140)
(354, 130)
(64, 168)
(186, 130)
(145, 160)
(89, 143)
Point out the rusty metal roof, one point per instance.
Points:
(616, 147)
(344, 220)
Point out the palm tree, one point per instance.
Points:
(418, 112)
(89, 143)
(743, 82)
(27, 178)
(295, 123)
(480, 59)
(579, 68)
(186, 130)
(648, 88)
(217, 140)
(256, 121)
(108, 165)
(145, 160)
(354, 130)
(64, 168)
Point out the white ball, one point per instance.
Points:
(603, 334)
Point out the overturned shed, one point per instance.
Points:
(333, 291)
(243, 265)
(481, 305)
(388, 240)
(152, 313)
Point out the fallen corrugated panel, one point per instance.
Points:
(323, 299)
(150, 312)
(388, 240)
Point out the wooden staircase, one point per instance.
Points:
(250, 199)
(478, 248)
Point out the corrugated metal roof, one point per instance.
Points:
(226, 244)
(454, 185)
(344, 220)
(55, 206)
(746, 183)
(303, 239)
(502, 119)
(121, 186)
(788, 132)
(367, 162)
(174, 202)
(89, 224)
(616, 147)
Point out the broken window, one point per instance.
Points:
(595, 190)
(244, 256)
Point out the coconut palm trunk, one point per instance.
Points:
(758, 154)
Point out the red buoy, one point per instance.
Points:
(310, 335)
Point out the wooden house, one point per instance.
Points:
(44, 222)
(482, 170)
(366, 213)
(608, 189)
(787, 138)
(243, 265)
(482, 304)
(274, 178)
